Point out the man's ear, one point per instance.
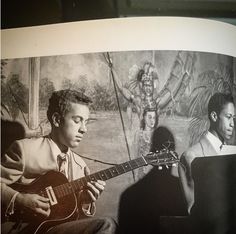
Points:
(213, 116)
(56, 119)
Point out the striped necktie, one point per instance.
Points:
(62, 159)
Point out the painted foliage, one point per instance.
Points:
(133, 93)
(166, 83)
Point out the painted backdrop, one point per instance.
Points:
(133, 93)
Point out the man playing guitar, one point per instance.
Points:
(24, 211)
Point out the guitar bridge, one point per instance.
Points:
(51, 195)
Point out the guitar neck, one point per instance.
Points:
(112, 172)
(77, 185)
(157, 159)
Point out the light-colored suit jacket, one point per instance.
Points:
(27, 159)
(200, 149)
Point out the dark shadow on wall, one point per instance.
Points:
(10, 131)
(157, 194)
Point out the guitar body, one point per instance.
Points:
(65, 209)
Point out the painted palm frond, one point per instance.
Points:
(226, 72)
(179, 79)
(198, 101)
(198, 127)
(132, 85)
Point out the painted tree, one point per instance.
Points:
(81, 83)
(14, 95)
(103, 98)
(46, 88)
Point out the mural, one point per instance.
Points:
(133, 93)
(142, 92)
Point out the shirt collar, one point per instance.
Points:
(215, 141)
(55, 149)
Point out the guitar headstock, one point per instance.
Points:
(161, 158)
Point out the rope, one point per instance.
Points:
(108, 59)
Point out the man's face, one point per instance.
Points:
(225, 121)
(73, 125)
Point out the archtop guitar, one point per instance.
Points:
(62, 193)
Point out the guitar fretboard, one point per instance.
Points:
(77, 185)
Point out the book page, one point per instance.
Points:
(142, 33)
(150, 79)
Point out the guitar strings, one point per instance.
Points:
(95, 160)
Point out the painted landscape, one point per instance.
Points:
(174, 86)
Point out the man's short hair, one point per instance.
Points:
(60, 101)
(217, 102)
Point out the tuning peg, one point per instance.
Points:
(159, 167)
(167, 167)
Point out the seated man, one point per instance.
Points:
(221, 113)
(30, 159)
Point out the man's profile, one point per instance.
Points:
(27, 160)
(221, 113)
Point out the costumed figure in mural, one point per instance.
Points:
(142, 93)
(143, 137)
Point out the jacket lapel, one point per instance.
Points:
(207, 147)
